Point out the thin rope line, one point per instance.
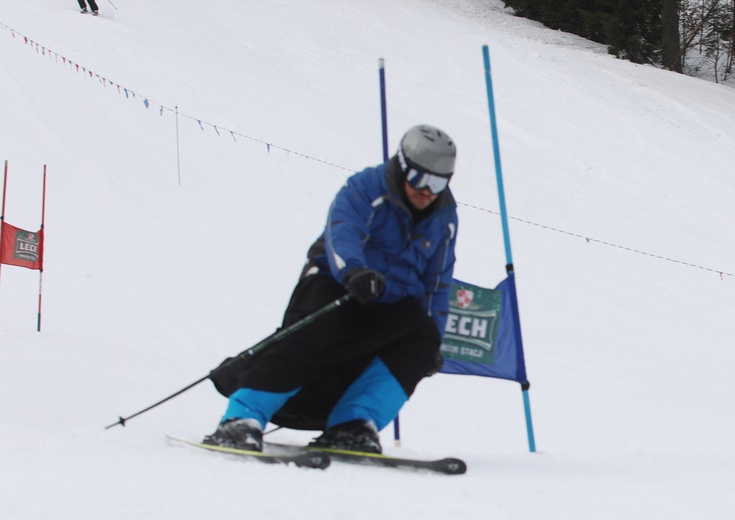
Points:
(603, 242)
(311, 158)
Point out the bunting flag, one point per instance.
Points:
(20, 247)
(148, 102)
(480, 336)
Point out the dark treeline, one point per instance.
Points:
(691, 36)
(630, 28)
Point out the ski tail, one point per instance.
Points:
(315, 460)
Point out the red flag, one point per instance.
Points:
(20, 247)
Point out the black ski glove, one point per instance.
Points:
(364, 284)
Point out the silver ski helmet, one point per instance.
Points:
(427, 149)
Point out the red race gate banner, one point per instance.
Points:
(20, 247)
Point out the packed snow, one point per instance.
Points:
(192, 151)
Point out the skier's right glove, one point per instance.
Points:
(364, 284)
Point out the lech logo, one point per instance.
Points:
(472, 324)
(26, 246)
(464, 298)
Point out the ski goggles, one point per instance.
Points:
(419, 180)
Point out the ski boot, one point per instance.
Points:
(357, 435)
(242, 434)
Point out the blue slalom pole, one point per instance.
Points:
(384, 125)
(496, 154)
(529, 423)
(525, 385)
(383, 109)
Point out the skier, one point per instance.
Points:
(92, 6)
(388, 242)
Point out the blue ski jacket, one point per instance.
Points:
(370, 225)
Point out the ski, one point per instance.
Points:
(447, 466)
(303, 459)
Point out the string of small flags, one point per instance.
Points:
(147, 102)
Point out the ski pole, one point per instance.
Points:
(113, 5)
(244, 354)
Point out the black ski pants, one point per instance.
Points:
(324, 357)
(92, 5)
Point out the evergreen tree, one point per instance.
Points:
(631, 28)
(693, 36)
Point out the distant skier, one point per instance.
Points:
(388, 242)
(92, 5)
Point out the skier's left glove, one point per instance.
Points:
(364, 284)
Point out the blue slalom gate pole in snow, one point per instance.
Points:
(525, 385)
(384, 126)
(383, 109)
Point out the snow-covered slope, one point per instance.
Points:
(174, 235)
